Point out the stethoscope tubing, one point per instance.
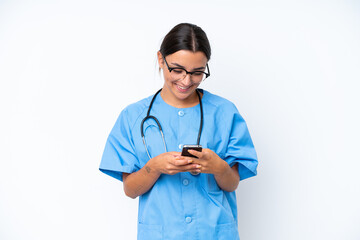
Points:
(148, 116)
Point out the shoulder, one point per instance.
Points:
(219, 102)
(221, 108)
(134, 111)
(138, 107)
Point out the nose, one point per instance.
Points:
(187, 80)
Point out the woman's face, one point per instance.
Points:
(181, 90)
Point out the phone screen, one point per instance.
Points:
(186, 147)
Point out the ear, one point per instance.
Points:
(160, 59)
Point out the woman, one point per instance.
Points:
(182, 197)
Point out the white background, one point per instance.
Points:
(67, 69)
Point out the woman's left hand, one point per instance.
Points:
(209, 161)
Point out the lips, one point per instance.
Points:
(182, 89)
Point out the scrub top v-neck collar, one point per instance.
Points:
(172, 108)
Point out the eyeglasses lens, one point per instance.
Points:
(180, 74)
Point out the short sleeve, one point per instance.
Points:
(119, 154)
(240, 148)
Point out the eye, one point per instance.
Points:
(177, 70)
(198, 73)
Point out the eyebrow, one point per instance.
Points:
(178, 65)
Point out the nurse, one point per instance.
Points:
(174, 202)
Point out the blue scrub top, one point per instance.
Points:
(182, 206)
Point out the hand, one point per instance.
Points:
(209, 161)
(172, 163)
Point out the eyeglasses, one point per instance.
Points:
(178, 73)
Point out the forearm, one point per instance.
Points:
(228, 178)
(138, 183)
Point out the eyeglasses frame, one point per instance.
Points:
(187, 72)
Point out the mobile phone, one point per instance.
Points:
(186, 147)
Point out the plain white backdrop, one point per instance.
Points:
(67, 69)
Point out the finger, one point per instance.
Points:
(181, 162)
(189, 159)
(191, 167)
(195, 171)
(195, 153)
(175, 154)
(182, 158)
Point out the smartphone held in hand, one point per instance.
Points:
(187, 147)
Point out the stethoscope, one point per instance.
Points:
(148, 116)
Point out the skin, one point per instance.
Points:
(181, 94)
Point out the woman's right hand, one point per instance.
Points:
(138, 183)
(170, 163)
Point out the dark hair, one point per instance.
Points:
(186, 36)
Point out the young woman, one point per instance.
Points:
(182, 197)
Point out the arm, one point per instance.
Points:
(138, 183)
(229, 179)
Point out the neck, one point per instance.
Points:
(170, 99)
